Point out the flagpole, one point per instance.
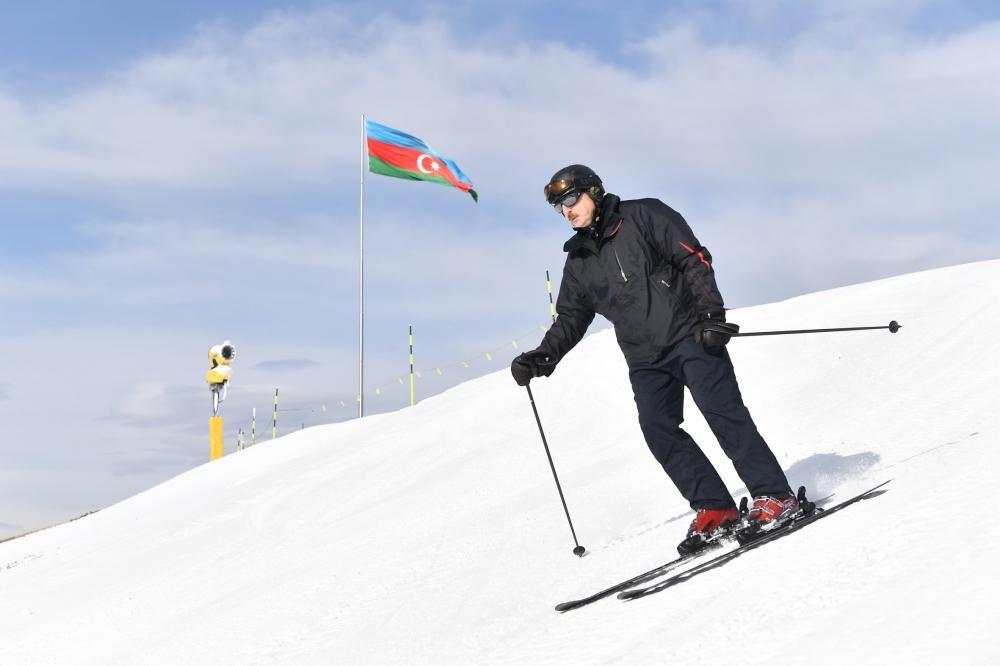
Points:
(361, 314)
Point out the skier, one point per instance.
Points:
(638, 264)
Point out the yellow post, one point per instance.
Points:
(214, 437)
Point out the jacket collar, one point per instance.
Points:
(609, 222)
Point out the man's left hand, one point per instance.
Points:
(715, 334)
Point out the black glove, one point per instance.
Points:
(715, 332)
(532, 364)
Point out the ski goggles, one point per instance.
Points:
(562, 193)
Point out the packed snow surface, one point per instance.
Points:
(435, 534)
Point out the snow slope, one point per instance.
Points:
(435, 534)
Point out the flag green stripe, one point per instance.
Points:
(375, 165)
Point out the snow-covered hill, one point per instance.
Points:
(435, 534)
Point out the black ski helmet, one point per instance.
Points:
(574, 178)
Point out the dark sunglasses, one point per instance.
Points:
(569, 201)
(562, 193)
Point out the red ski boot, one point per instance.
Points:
(770, 511)
(708, 525)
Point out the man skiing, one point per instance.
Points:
(638, 264)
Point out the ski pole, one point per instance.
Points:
(579, 550)
(893, 327)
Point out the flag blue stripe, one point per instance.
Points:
(393, 136)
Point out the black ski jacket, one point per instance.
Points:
(645, 272)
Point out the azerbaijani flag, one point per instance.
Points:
(394, 153)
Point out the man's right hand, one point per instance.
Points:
(532, 364)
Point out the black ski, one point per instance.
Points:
(748, 543)
(641, 578)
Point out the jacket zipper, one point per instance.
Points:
(619, 263)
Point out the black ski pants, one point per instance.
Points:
(659, 395)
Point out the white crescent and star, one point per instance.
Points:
(434, 165)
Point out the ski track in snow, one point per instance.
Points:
(435, 534)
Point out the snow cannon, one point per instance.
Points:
(220, 357)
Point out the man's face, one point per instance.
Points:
(581, 214)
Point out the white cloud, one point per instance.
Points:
(280, 104)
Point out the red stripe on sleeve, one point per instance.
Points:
(701, 256)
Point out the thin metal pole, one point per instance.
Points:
(552, 306)
(893, 327)
(412, 401)
(579, 550)
(274, 417)
(361, 263)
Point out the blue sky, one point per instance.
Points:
(52, 46)
(176, 175)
